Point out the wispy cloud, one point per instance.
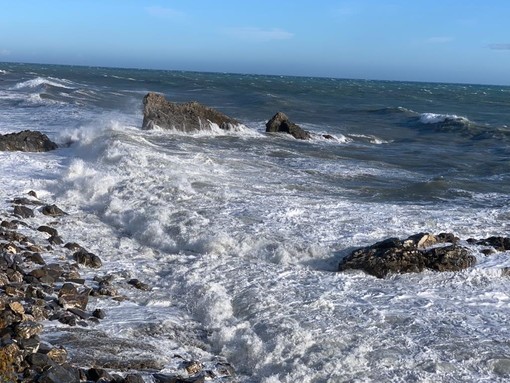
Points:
(500, 47)
(439, 40)
(163, 13)
(258, 34)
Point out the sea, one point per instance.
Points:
(240, 233)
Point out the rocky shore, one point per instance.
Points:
(44, 280)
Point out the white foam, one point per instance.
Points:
(36, 82)
(434, 118)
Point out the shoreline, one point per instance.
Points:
(51, 308)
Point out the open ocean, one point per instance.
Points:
(240, 233)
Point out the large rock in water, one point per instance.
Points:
(26, 141)
(415, 254)
(187, 117)
(280, 123)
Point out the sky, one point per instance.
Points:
(466, 41)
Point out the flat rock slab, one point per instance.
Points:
(187, 117)
(26, 141)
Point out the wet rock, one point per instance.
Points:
(165, 378)
(60, 374)
(70, 297)
(26, 330)
(52, 210)
(57, 355)
(85, 258)
(96, 374)
(9, 225)
(188, 117)
(72, 246)
(35, 258)
(407, 256)
(99, 314)
(49, 230)
(55, 240)
(498, 243)
(26, 141)
(139, 285)
(39, 361)
(192, 367)
(280, 123)
(30, 345)
(32, 193)
(23, 211)
(133, 378)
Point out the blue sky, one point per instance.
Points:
(421, 40)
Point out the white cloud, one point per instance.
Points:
(163, 13)
(258, 34)
(439, 40)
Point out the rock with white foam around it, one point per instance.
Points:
(26, 141)
(187, 117)
(414, 254)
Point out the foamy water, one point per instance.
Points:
(240, 233)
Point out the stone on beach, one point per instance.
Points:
(26, 141)
(187, 117)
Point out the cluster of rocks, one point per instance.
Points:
(26, 141)
(33, 291)
(441, 252)
(193, 116)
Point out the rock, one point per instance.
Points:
(164, 378)
(187, 117)
(192, 367)
(23, 211)
(26, 141)
(96, 374)
(52, 210)
(411, 255)
(70, 297)
(39, 361)
(26, 330)
(60, 374)
(78, 312)
(99, 314)
(133, 378)
(55, 240)
(280, 123)
(32, 193)
(35, 258)
(85, 258)
(139, 285)
(49, 230)
(498, 243)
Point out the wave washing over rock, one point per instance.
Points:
(214, 255)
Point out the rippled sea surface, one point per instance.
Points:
(240, 233)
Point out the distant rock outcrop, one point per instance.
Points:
(187, 117)
(415, 254)
(26, 141)
(281, 123)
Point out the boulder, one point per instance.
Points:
(53, 210)
(187, 117)
(411, 255)
(280, 123)
(85, 258)
(26, 141)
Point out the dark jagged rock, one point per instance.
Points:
(280, 123)
(26, 141)
(139, 284)
(60, 374)
(52, 210)
(133, 378)
(164, 378)
(23, 211)
(187, 117)
(85, 258)
(498, 243)
(49, 230)
(409, 256)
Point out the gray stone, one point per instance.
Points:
(52, 210)
(60, 374)
(280, 123)
(23, 211)
(187, 117)
(26, 141)
(411, 255)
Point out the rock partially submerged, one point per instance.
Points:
(280, 123)
(26, 141)
(414, 254)
(187, 117)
